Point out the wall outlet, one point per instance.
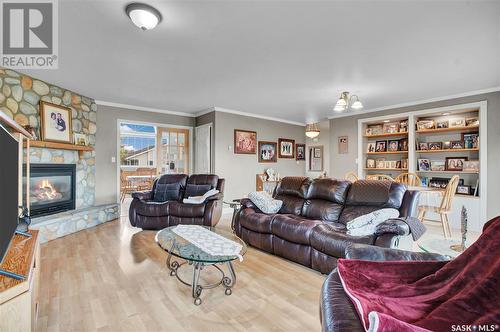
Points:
(113, 160)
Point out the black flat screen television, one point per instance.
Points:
(9, 177)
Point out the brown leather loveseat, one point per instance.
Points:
(147, 213)
(310, 227)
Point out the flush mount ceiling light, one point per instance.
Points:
(312, 130)
(143, 16)
(348, 102)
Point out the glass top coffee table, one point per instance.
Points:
(178, 246)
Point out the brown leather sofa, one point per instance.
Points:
(310, 227)
(337, 311)
(147, 213)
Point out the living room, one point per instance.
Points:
(250, 165)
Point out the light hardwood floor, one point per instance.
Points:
(113, 277)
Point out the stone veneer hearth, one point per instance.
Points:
(20, 96)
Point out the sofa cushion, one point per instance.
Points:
(255, 221)
(196, 190)
(331, 240)
(293, 186)
(384, 194)
(209, 179)
(291, 204)
(324, 199)
(152, 208)
(181, 179)
(166, 192)
(293, 228)
(186, 210)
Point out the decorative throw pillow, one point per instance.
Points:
(166, 192)
(265, 202)
(366, 224)
(196, 189)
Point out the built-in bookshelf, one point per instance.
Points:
(435, 144)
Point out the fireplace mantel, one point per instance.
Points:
(60, 146)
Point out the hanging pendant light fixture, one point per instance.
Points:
(312, 130)
(347, 102)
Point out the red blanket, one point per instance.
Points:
(459, 295)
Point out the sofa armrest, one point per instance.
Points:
(392, 226)
(374, 253)
(143, 195)
(214, 197)
(247, 203)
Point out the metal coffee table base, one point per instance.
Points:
(196, 287)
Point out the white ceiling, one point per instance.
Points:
(285, 59)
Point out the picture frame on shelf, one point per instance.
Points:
(56, 123)
(457, 122)
(267, 152)
(424, 165)
(457, 145)
(437, 165)
(403, 126)
(286, 148)
(80, 139)
(391, 128)
(455, 163)
(403, 144)
(464, 190)
(393, 145)
(438, 182)
(471, 141)
(471, 166)
(398, 163)
(446, 145)
(370, 147)
(380, 163)
(435, 146)
(425, 125)
(404, 163)
(423, 146)
(425, 181)
(245, 141)
(381, 146)
(372, 130)
(442, 124)
(472, 121)
(370, 163)
(300, 151)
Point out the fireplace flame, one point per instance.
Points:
(46, 191)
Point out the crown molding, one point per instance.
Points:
(143, 109)
(416, 102)
(264, 117)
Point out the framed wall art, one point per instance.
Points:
(245, 141)
(55, 123)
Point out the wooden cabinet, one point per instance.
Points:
(19, 298)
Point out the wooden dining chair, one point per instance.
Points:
(351, 176)
(444, 209)
(409, 179)
(379, 177)
(126, 186)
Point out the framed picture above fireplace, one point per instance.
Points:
(56, 123)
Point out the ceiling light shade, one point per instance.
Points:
(356, 105)
(312, 130)
(143, 16)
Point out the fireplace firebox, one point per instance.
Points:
(51, 188)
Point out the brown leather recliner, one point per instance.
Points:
(310, 227)
(337, 311)
(147, 213)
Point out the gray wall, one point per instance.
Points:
(343, 163)
(239, 170)
(106, 144)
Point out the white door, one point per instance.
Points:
(203, 152)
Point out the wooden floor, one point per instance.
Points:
(113, 278)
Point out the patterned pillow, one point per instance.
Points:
(366, 224)
(265, 202)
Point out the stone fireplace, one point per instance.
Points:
(52, 188)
